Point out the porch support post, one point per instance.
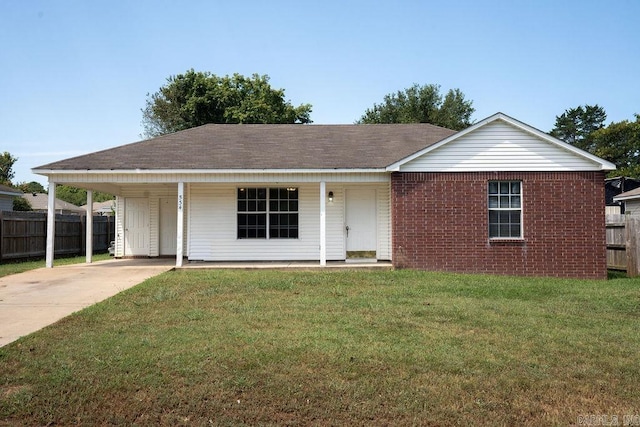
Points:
(89, 231)
(51, 224)
(323, 224)
(180, 230)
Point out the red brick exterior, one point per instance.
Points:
(440, 223)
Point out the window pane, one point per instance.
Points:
(273, 193)
(504, 202)
(493, 187)
(262, 193)
(262, 205)
(242, 205)
(493, 201)
(515, 230)
(515, 202)
(504, 188)
(515, 187)
(251, 206)
(293, 206)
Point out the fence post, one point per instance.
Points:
(633, 245)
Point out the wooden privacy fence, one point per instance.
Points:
(623, 243)
(24, 234)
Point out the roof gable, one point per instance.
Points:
(500, 143)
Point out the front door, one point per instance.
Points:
(168, 225)
(136, 228)
(361, 223)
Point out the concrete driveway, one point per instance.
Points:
(34, 299)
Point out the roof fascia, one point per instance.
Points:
(47, 172)
(604, 165)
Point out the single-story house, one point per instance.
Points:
(614, 187)
(39, 203)
(499, 197)
(106, 208)
(631, 200)
(7, 194)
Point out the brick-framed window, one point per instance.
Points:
(267, 213)
(505, 209)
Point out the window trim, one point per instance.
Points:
(267, 212)
(510, 209)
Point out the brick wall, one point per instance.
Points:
(440, 223)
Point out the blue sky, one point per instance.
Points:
(75, 74)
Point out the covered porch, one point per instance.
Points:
(339, 219)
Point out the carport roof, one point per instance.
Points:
(264, 146)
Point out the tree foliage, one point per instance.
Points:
(197, 98)
(6, 168)
(78, 196)
(619, 143)
(31, 187)
(422, 104)
(21, 204)
(577, 125)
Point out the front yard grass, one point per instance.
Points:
(230, 347)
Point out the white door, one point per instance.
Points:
(136, 227)
(168, 225)
(361, 221)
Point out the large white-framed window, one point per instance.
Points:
(505, 209)
(267, 213)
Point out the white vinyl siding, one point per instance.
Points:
(6, 203)
(212, 226)
(632, 206)
(499, 146)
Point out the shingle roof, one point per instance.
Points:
(39, 202)
(9, 191)
(217, 146)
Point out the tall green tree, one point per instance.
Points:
(6, 168)
(31, 187)
(577, 125)
(197, 98)
(422, 104)
(78, 196)
(619, 143)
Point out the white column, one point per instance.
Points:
(323, 224)
(89, 231)
(51, 224)
(180, 230)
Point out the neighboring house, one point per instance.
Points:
(616, 186)
(106, 208)
(7, 194)
(631, 200)
(38, 202)
(498, 197)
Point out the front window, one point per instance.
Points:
(505, 209)
(268, 213)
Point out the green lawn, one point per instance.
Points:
(229, 347)
(11, 267)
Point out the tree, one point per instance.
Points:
(6, 168)
(78, 196)
(422, 104)
(619, 143)
(21, 204)
(197, 98)
(31, 187)
(576, 125)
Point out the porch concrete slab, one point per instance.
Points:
(34, 299)
(357, 264)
